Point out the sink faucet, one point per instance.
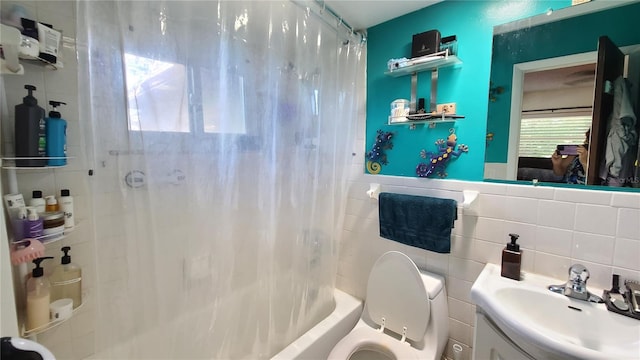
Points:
(576, 286)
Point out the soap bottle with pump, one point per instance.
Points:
(38, 297)
(56, 136)
(511, 259)
(66, 280)
(30, 132)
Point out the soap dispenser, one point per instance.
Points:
(38, 296)
(56, 136)
(66, 280)
(512, 259)
(30, 133)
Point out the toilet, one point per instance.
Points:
(405, 314)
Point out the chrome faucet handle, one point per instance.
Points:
(576, 287)
(578, 274)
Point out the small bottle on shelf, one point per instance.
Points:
(34, 224)
(52, 203)
(37, 201)
(65, 203)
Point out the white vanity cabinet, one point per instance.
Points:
(489, 343)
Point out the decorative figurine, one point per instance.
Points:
(438, 161)
(377, 157)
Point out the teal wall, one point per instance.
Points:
(579, 35)
(467, 84)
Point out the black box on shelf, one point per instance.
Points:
(425, 43)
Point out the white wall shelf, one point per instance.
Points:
(438, 60)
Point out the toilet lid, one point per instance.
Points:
(396, 292)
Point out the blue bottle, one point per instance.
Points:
(56, 140)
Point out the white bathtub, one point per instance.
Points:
(318, 342)
(164, 342)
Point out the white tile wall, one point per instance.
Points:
(558, 227)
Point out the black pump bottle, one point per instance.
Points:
(511, 259)
(30, 135)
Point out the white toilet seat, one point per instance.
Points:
(365, 337)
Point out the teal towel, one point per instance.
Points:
(419, 221)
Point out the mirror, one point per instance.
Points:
(553, 77)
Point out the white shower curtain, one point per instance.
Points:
(221, 136)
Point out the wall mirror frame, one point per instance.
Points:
(561, 38)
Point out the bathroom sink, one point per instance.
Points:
(548, 325)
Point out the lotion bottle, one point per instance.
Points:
(65, 203)
(66, 280)
(511, 259)
(38, 297)
(37, 201)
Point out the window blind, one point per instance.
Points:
(540, 134)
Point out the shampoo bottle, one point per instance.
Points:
(66, 280)
(511, 259)
(65, 202)
(34, 224)
(56, 136)
(38, 297)
(30, 131)
(37, 201)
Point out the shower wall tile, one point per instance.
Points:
(556, 214)
(627, 254)
(577, 196)
(520, 209)
(596, 219)
(532, 192)
(626, 200)
(554, 241)
(628, 225)
(593, 247)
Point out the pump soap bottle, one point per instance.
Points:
(66, 280)
(30, 133)
(56, 136)
(511, 259)
(38, 297)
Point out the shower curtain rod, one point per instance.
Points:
(322, 8)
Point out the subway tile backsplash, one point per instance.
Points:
(558, 227)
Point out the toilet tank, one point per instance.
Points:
(437, 333)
